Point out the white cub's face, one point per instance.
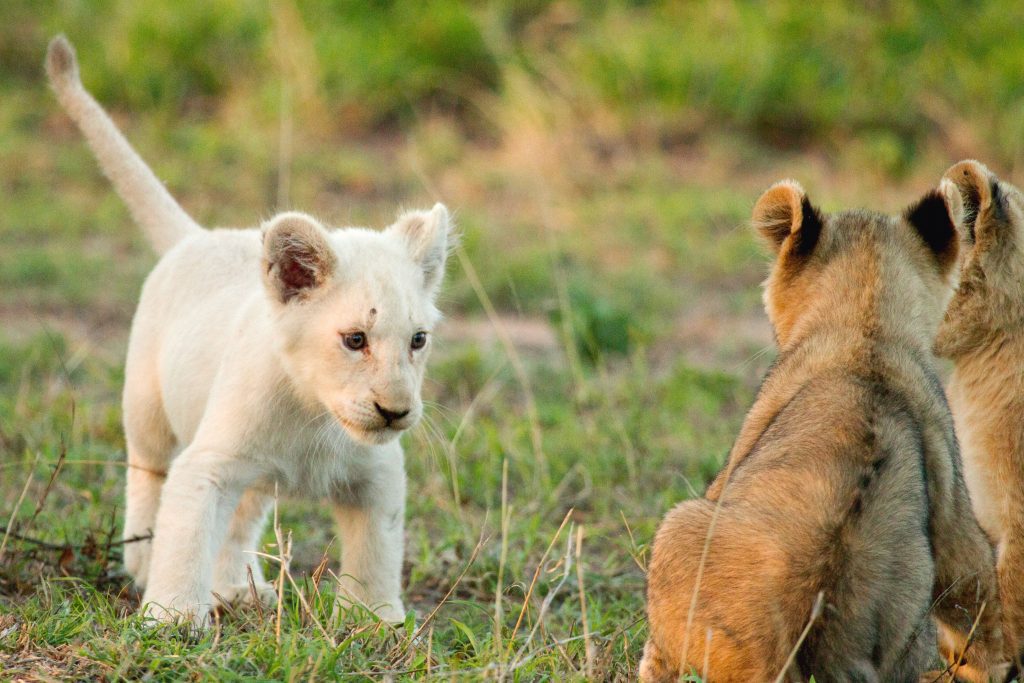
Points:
(355, 315)
(374, 339)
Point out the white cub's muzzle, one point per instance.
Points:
(377, 422)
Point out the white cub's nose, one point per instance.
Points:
(388, 414)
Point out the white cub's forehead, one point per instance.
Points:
(379, 286)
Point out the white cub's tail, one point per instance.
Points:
(163, 221)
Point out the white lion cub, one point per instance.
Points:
(288, 357)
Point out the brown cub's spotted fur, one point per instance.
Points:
(844, 481)
(983, 333)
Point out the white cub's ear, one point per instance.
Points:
(297, 257)
(428, 236)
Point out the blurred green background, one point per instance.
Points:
(604, 333)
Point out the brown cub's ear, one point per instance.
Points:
(978, 188)
(784, 213)
(934, 217)
(297, 257)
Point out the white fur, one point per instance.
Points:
(237, 383)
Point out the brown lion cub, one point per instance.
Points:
(983, 333)
(841, 520)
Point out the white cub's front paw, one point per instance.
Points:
(196, 615)
(392, 613)
(243, 594)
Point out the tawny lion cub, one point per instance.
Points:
(844, 481)
(287, 358)
(983, 333)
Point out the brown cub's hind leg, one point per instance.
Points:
(966, 582)
(1010, 570)
(742, 645)
(654, 668)
(966, 591)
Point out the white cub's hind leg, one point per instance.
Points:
(237, 557)
(372, 531)
(142, 500)
(150, 450)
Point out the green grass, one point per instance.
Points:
(602, 160)
(73, 605)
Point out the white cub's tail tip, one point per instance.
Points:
(61, 65)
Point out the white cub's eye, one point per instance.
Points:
(356, 341)
(419, 340)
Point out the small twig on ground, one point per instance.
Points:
(45, 545)
(115, 463)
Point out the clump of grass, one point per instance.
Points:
(801, 75)
(600, 326)
(893, 79)
(504, 583)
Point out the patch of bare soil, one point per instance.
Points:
(102, 334)
(528, 334)
(708, 333)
